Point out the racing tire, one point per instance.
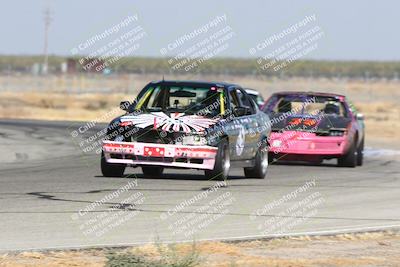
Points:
(111, 169)
(360, 153)
(152, 171)
(270, 158)
(259, 170)
(222, 163)
(350, 159)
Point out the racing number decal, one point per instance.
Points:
(240, 141)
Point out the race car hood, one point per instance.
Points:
(308, 123)
(173, 122)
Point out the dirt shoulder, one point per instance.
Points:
(366, 249)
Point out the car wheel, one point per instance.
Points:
(270, 158)
(152, 171)
(261, 164)
(222, 163)
(350, 159)
(360, 153)
(111, 169)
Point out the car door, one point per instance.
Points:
(250, 123)
(234, 128)
(238, 128)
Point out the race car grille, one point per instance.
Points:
(154, 159)
(148, 137)
(154, 136)
(196, 161)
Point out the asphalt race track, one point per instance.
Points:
(46, 179)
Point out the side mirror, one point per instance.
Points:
(359, 116)
(124, 105)
(240, 111)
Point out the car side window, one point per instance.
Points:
(253, 105)
(244, 99)
(351, 107)
(343, 111)
(234, 100)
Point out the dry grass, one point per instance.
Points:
(368, 249)
(58, 106)
(54, 259)
(382, 119)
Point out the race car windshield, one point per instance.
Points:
(299, 105)
(186, 99)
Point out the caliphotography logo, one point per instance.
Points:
(212, 133)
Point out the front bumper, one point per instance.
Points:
(166, 155)
(305, 143)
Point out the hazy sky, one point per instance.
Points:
(360, 30)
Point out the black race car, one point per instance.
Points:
(185, 124)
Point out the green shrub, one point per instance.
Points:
(168, 258)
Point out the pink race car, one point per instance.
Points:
(308, 126)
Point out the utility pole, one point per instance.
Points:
(47, 21)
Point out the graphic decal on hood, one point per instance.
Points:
(175, 122)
